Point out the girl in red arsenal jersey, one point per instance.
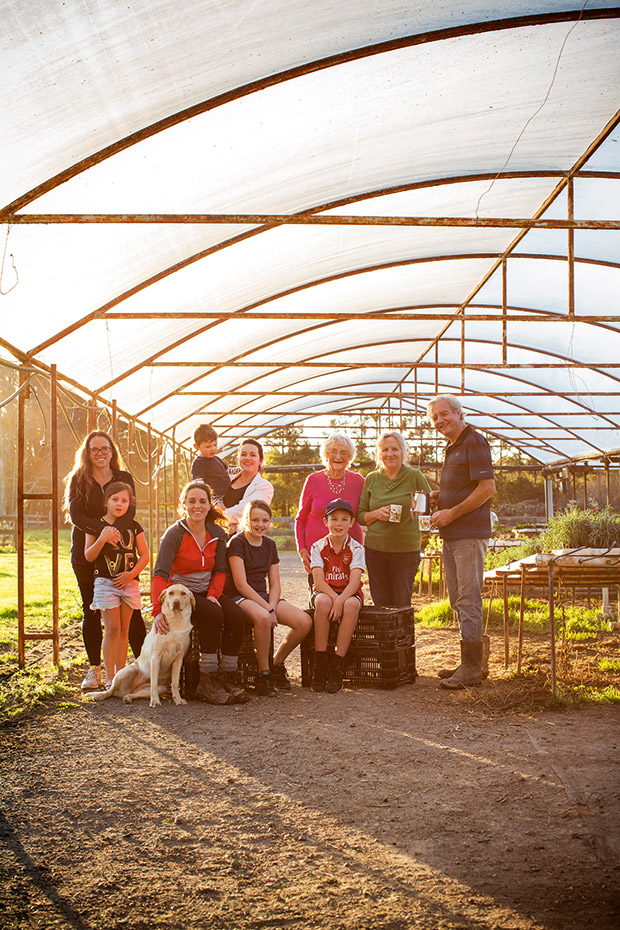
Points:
(337, 563)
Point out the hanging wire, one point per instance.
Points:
(68, 418)
(574, 378)
(107, 332)
(537, 111)
(3, 403)
(35, 394)
(12, 257)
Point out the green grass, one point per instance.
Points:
(581, 624)
(38, 583)
(23, 689)
(608, 695)
(609, 665)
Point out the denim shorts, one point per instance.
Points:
(106, 596)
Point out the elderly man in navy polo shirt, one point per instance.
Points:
(463, 519)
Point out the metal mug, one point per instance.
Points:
(421, 504)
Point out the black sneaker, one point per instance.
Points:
(263, 685)
(335, 675)
(279, 677)
(319, 672)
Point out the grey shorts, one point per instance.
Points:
(106, 596)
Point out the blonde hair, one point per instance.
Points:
(390, 434)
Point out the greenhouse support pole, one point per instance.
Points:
(157, 489)
(55, 504)
(554, 684)
(149, 495)
(548, 497)
(21, 641)
(607, 484)
(175, 472)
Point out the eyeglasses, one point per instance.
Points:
(100, 450)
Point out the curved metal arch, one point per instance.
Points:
(235, 410)
(320, 208)
(439, 35)
(284, 367)
(546, 443)
(348, 407)
(254, 380)
(236, 314)
(458, 314)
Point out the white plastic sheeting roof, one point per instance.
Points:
(214, 119)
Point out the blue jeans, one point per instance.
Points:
(463, 563)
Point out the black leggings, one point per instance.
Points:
(215, 624)
(91, 625)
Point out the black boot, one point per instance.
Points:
(486, 645)
(319, 672)
(335, 674)
(469, 671)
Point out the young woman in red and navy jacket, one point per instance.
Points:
(193, 552)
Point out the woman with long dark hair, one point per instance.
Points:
(97, 463)
(193, 552)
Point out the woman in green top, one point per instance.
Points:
(393, 538)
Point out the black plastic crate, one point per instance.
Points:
(381, 626)
(386, 668)
(367, 666)
(248, 667)
(190, 672)
(382, 651)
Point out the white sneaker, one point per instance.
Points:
(92, 682)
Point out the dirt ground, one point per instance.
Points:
(412, 808)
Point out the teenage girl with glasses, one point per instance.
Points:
(97, 463)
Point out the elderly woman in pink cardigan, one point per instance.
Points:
(321, 487)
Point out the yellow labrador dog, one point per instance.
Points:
(159, 664)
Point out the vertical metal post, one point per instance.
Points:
(131, 439)
(55, 504)
(157, 489)
(506, 624)
(607, 484)
(437, 367)
(463, 355)
(585, 489)
(521, 618)
(175, 472)
(92, 415)
(504, 311)
(549, 497)
(114, 426)
(571, 249)
(149, 495)
(554, 686)
(21, 628)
